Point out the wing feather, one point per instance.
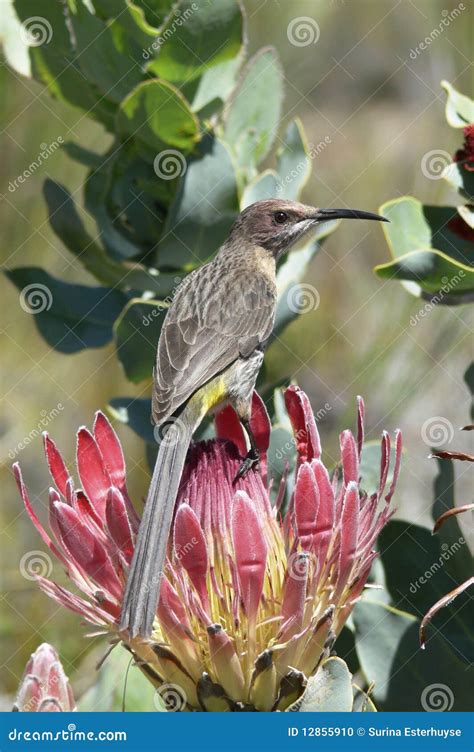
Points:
(212, 321)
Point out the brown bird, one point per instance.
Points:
(210, 351)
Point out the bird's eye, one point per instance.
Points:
(280, 217)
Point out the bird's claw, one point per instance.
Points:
(251, 461)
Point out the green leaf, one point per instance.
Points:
(14, 44)
(416, 575)
(135, 198)
(425, 249)
(252, 117)
(104, 53)
(461, 177)
(69, 227)
(263, 186)
(196, 36)
(459, 108)
(132, 18)
(208, 93)
(69, 317)
(449, 535)
(149, 13)
(157, 115)
(95, 195)
(293, 162)
(469, 380)
(204, 209)
(53, 62)
(404, 675)
(329, 690)
(67, 224)
(83, 156)
(137, 332)
(119, 683)
(467, 213)
(136, 413)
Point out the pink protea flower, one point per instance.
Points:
(251, 600)
(44, 687)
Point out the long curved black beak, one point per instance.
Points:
(325, 214)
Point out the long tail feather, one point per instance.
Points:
(144, 579)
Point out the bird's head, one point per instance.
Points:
(276, 225)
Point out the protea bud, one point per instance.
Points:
(44, 687)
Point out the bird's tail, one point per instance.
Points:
(143, 584)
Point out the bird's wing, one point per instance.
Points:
(212, 321)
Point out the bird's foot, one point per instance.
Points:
(251, 461)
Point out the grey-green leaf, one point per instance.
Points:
(69, 317)
(204, 209)
(459, 108)
(137, 332)
(252, 118)
(293, 162)
(329, 690)
(196, 36)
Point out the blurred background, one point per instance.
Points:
(377, 110)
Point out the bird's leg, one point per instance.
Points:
(253, 455)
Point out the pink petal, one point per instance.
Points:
(86, 550)
(349, 456)
(396, 469)
(260, 425)
(360, 425)
(172, 603)
(29, 694)
(190, 549)
(349, 531)
(33, 517)
(118, 523)
(56, 464)
(92, 613)
(250, 552)
(110, 449)
(306, 504)
(87, 512)
(384, 462)
(308, 444)
(92, 472)
(229, 427)
(295, 593)
(326, 511)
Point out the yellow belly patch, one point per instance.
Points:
(210, 395)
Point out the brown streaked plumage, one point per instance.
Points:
(210, 352)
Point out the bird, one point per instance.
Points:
(209, 354)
